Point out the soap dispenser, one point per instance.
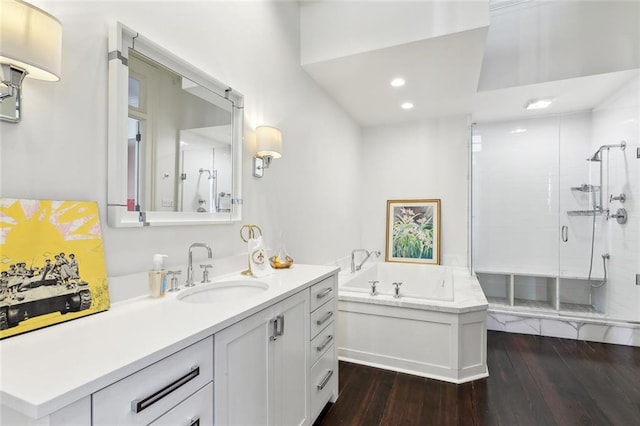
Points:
(157, 276)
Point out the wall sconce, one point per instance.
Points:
(31, 47)
(268, 147)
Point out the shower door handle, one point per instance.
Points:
(565, 233)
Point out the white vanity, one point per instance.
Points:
(266, 358)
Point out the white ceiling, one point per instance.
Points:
(576, 94)
(441, 76)
(443, 73)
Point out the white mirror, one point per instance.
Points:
(175, 139)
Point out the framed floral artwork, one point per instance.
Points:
(413, 231)
(52, 266)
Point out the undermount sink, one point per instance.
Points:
(222, 291)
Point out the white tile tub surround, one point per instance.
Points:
(439, 339)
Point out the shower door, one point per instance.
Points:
(599, 210)
(582, 233)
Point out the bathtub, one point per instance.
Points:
(437, 328)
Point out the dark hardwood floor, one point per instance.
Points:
(532, 380)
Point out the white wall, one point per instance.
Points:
(522, 193)
(418, 160)
(515, 196)
(59, 149)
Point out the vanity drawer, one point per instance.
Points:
(322, 342)
(322, 292)
(321, 317)
(145, 395)
(197, 410)
(323, 381)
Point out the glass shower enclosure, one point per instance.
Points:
(556, 211)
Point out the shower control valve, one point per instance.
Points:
(622, 198)
(620, 216)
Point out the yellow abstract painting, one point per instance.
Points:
(52, 266)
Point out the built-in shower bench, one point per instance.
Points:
(541, 292)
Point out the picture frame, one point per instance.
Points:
(52, 264)
(413, 231)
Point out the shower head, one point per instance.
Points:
(597, 155)
(208, 172)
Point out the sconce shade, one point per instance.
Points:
(30, 39)
(268, 142)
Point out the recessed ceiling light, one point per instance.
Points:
(397, 82)
(539, 103)
(406, 105)
(518, 130)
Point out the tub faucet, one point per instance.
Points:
(190, 265)
(396, 293)
(368, 254)
(373, 283)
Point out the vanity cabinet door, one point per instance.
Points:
(241, 371)
(291, 378)
(261, 367)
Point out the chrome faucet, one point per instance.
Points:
(396, 293)
(374, 291)
(190, 266)
(355, 267)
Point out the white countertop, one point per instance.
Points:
(47, 369)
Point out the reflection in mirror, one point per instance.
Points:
(179, 159)
(176, 129)
(205, 172)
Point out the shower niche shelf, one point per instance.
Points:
(545, 293)
(585, 187)
(584, 212)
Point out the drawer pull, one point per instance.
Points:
(325, 343)
(324, 292)
(137, 405)
(194, 422)
(326, 317)
(325, 380)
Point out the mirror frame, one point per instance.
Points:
(121, 38)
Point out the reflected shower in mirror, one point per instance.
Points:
(205, 173)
